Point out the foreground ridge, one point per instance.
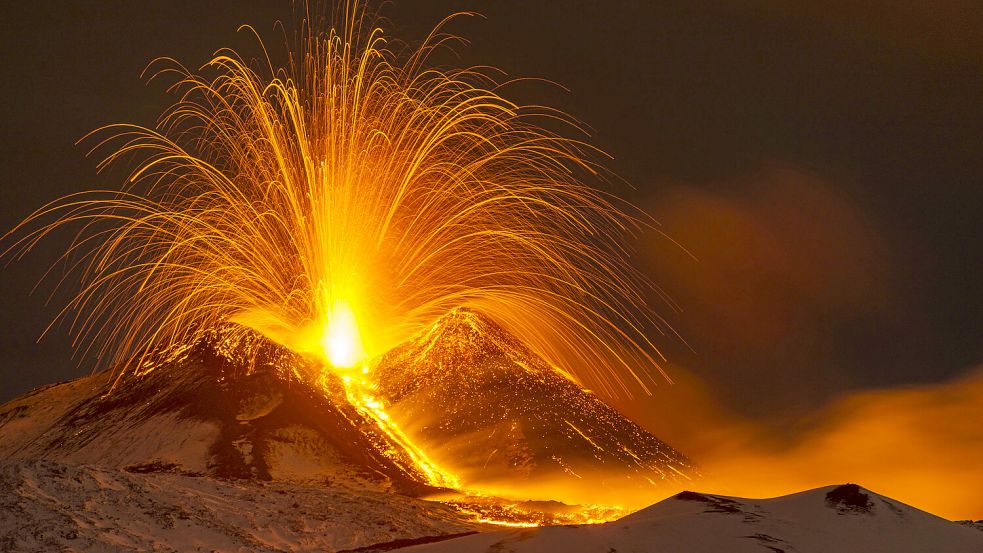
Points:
(846, 519)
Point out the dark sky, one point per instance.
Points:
(820, 161)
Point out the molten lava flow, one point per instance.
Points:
(342, 349)
(344, 357)
(359, 394)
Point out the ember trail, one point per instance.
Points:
(341, 202)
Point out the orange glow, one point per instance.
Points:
(359, 392)
(497, 511)
(343, 200)
(339, 203)
(341, 340)
(918, 444)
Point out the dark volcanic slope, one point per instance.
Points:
(479, 399)
(205, 410)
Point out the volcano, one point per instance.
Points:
(225, 445)
(491, 409)
(471, 394)
(232, 423)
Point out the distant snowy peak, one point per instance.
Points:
(843, 500)
(844, 519)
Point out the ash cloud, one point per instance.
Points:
(789, 290)
(919, 444)
(814, 363)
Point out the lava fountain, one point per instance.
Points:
(340, 202)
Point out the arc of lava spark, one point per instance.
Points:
(356, 175)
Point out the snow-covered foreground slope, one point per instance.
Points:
(49, 506)
(202, 453)
(841, 519)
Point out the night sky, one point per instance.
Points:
(820, 162)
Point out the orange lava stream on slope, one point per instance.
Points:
(342, 349)
(358, 391)
(500, 512)
(483, 507)
(344, 355)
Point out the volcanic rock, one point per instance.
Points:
(490, 408)
(229, 410)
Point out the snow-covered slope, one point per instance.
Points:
(49, 506)
(205, 452)
(841, 519)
